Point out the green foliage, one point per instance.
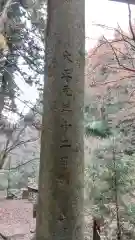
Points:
(111, 173)
(95, 127)
(98, 128)
(24, 60)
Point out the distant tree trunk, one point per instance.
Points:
(60, 206)
(115, 181)
(96, 229)
(9, 18)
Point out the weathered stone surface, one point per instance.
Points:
(16, 220)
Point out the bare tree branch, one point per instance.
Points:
(130, 23)
(3, 236)
(20, 165)
(4, 155)
(10, 146)
(118, 60)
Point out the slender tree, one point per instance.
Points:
(60, 205)
(96, 229)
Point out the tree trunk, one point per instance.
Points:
(60, 206)
(96, 229)
(115, 181)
